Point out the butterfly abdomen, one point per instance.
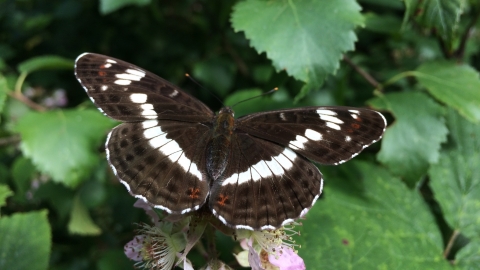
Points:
(219, 148)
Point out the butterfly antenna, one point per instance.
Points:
(266, 93)
(201, 86)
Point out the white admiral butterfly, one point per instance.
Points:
(254, 172)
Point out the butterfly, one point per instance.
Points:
(254, 172)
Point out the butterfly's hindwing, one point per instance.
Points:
(327, 135)
(128, 93)
(264, 185)
(157, 161)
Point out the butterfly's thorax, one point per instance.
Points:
(219, 147)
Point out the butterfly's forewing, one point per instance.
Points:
(327, 135)
(159, 152)
(128, 93)
(265, 185)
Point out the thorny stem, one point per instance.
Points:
(450, 243)
(363, 73)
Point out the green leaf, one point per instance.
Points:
(63, 143)
(59, 198)
(45, 62)
(109, 6)
(3, 92)
(469, 257)
(369, 219)
(305, 38)
(441, 15)
(5, 192)
(80, 220)
(215, 73)
(25, 241)
(413, 141)
(22, 173)
(114, 259)
(245, 107)
(453, 84)
(455, 179)
(384, 24)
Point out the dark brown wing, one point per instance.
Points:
(161, 162)
(128, 93)
(265, 185)
(328, 135)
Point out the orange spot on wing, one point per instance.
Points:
(194, 193)
(222, 199)
(358, 119)
(355, 126)
(102, 73)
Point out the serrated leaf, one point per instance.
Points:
(455, 179)
(80, 220)
(25, 241)
(369, 219)
(5, 192)
(45, 62)
(63, 143)
(109, 6)
(442, 15)
(453, 84)
(306, 38)
(413, 141)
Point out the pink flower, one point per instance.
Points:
(133, 248)
(156, 247)
(287, 259)
(269, 250)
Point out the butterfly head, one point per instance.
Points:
(226, 110)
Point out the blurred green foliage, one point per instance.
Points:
(409, 202)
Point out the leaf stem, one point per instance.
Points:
(20, 97)
(450, 243)
(363, 73)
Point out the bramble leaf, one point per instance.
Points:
(453, 84)
(25, 241)
(62, 143)
(455, 179)
(369, 219)
(441, 15)
(413, 141)
(305, 38)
